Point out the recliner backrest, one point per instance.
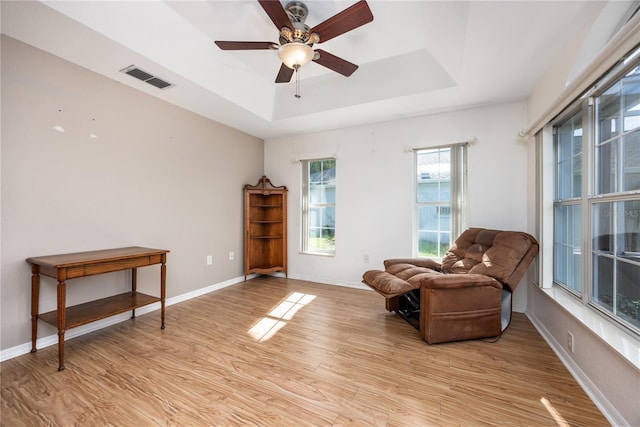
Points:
(503, 255)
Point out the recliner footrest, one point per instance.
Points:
(387, 285)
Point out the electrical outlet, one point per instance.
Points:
(570, 341)
(209, 259)
(231, 256)
(366, 259)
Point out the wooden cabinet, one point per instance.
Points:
(265, 228)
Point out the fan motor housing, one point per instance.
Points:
(297, 13)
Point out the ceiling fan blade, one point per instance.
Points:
(284, 75)
(277, 13)
(224, 45)
(347, 20)
(335, 63)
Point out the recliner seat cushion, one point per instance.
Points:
(410, 272)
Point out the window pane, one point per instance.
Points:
(569, 158)
(603, 281)
(617, 258)
(631, 161)
(316, 193)
(618, 144)
(563, 180)
(628, 300)
(428, 191)
(631, 100)
(559, 264)
(319, 201)
(630, 229)
(428, 218)
(322, 171)
(329, 217)
(321, 224)
(608, 113)
(606, 168)
(321, 216)
(567, 257)
(433, 201)
(321, 193)
(434, 164)
(603, 215)
(433, 244)
(322, 240)
(314, 218)
(314, 234)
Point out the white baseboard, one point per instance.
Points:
(325, 281)
(519, 308)
(49, 340)
(598, 398)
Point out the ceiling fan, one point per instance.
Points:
(297, 39)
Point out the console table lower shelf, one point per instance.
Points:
(71, 266)
(92, 311)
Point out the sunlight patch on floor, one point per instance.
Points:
(269, 325)
(561, 422)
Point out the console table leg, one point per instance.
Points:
(35, 301)
(62, 314)
(134, 287)
(163, 283)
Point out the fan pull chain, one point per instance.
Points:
(297, 68)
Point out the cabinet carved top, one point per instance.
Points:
(264, 184)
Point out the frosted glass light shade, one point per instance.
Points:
(295, 53)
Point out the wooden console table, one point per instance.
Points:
(70, 266)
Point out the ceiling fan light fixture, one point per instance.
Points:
(295, 54)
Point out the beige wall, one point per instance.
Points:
(156, 176)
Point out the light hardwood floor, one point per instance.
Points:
(278, 352)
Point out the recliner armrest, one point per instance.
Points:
(458, 281)
(418, 262)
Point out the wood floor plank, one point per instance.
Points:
(281, 352)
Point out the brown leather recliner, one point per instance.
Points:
(467, 295)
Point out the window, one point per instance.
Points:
(615, 207)
(596, 224)
(319, 206)
(567, 236)
(439, 198)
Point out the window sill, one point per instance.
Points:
(324, 254)
(622, 341)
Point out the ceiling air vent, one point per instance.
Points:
(139, 74)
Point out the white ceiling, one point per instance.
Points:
(416, 57)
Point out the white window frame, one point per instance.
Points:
(306, 206)
(582, 107)
(457, 205)
(546, 167)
